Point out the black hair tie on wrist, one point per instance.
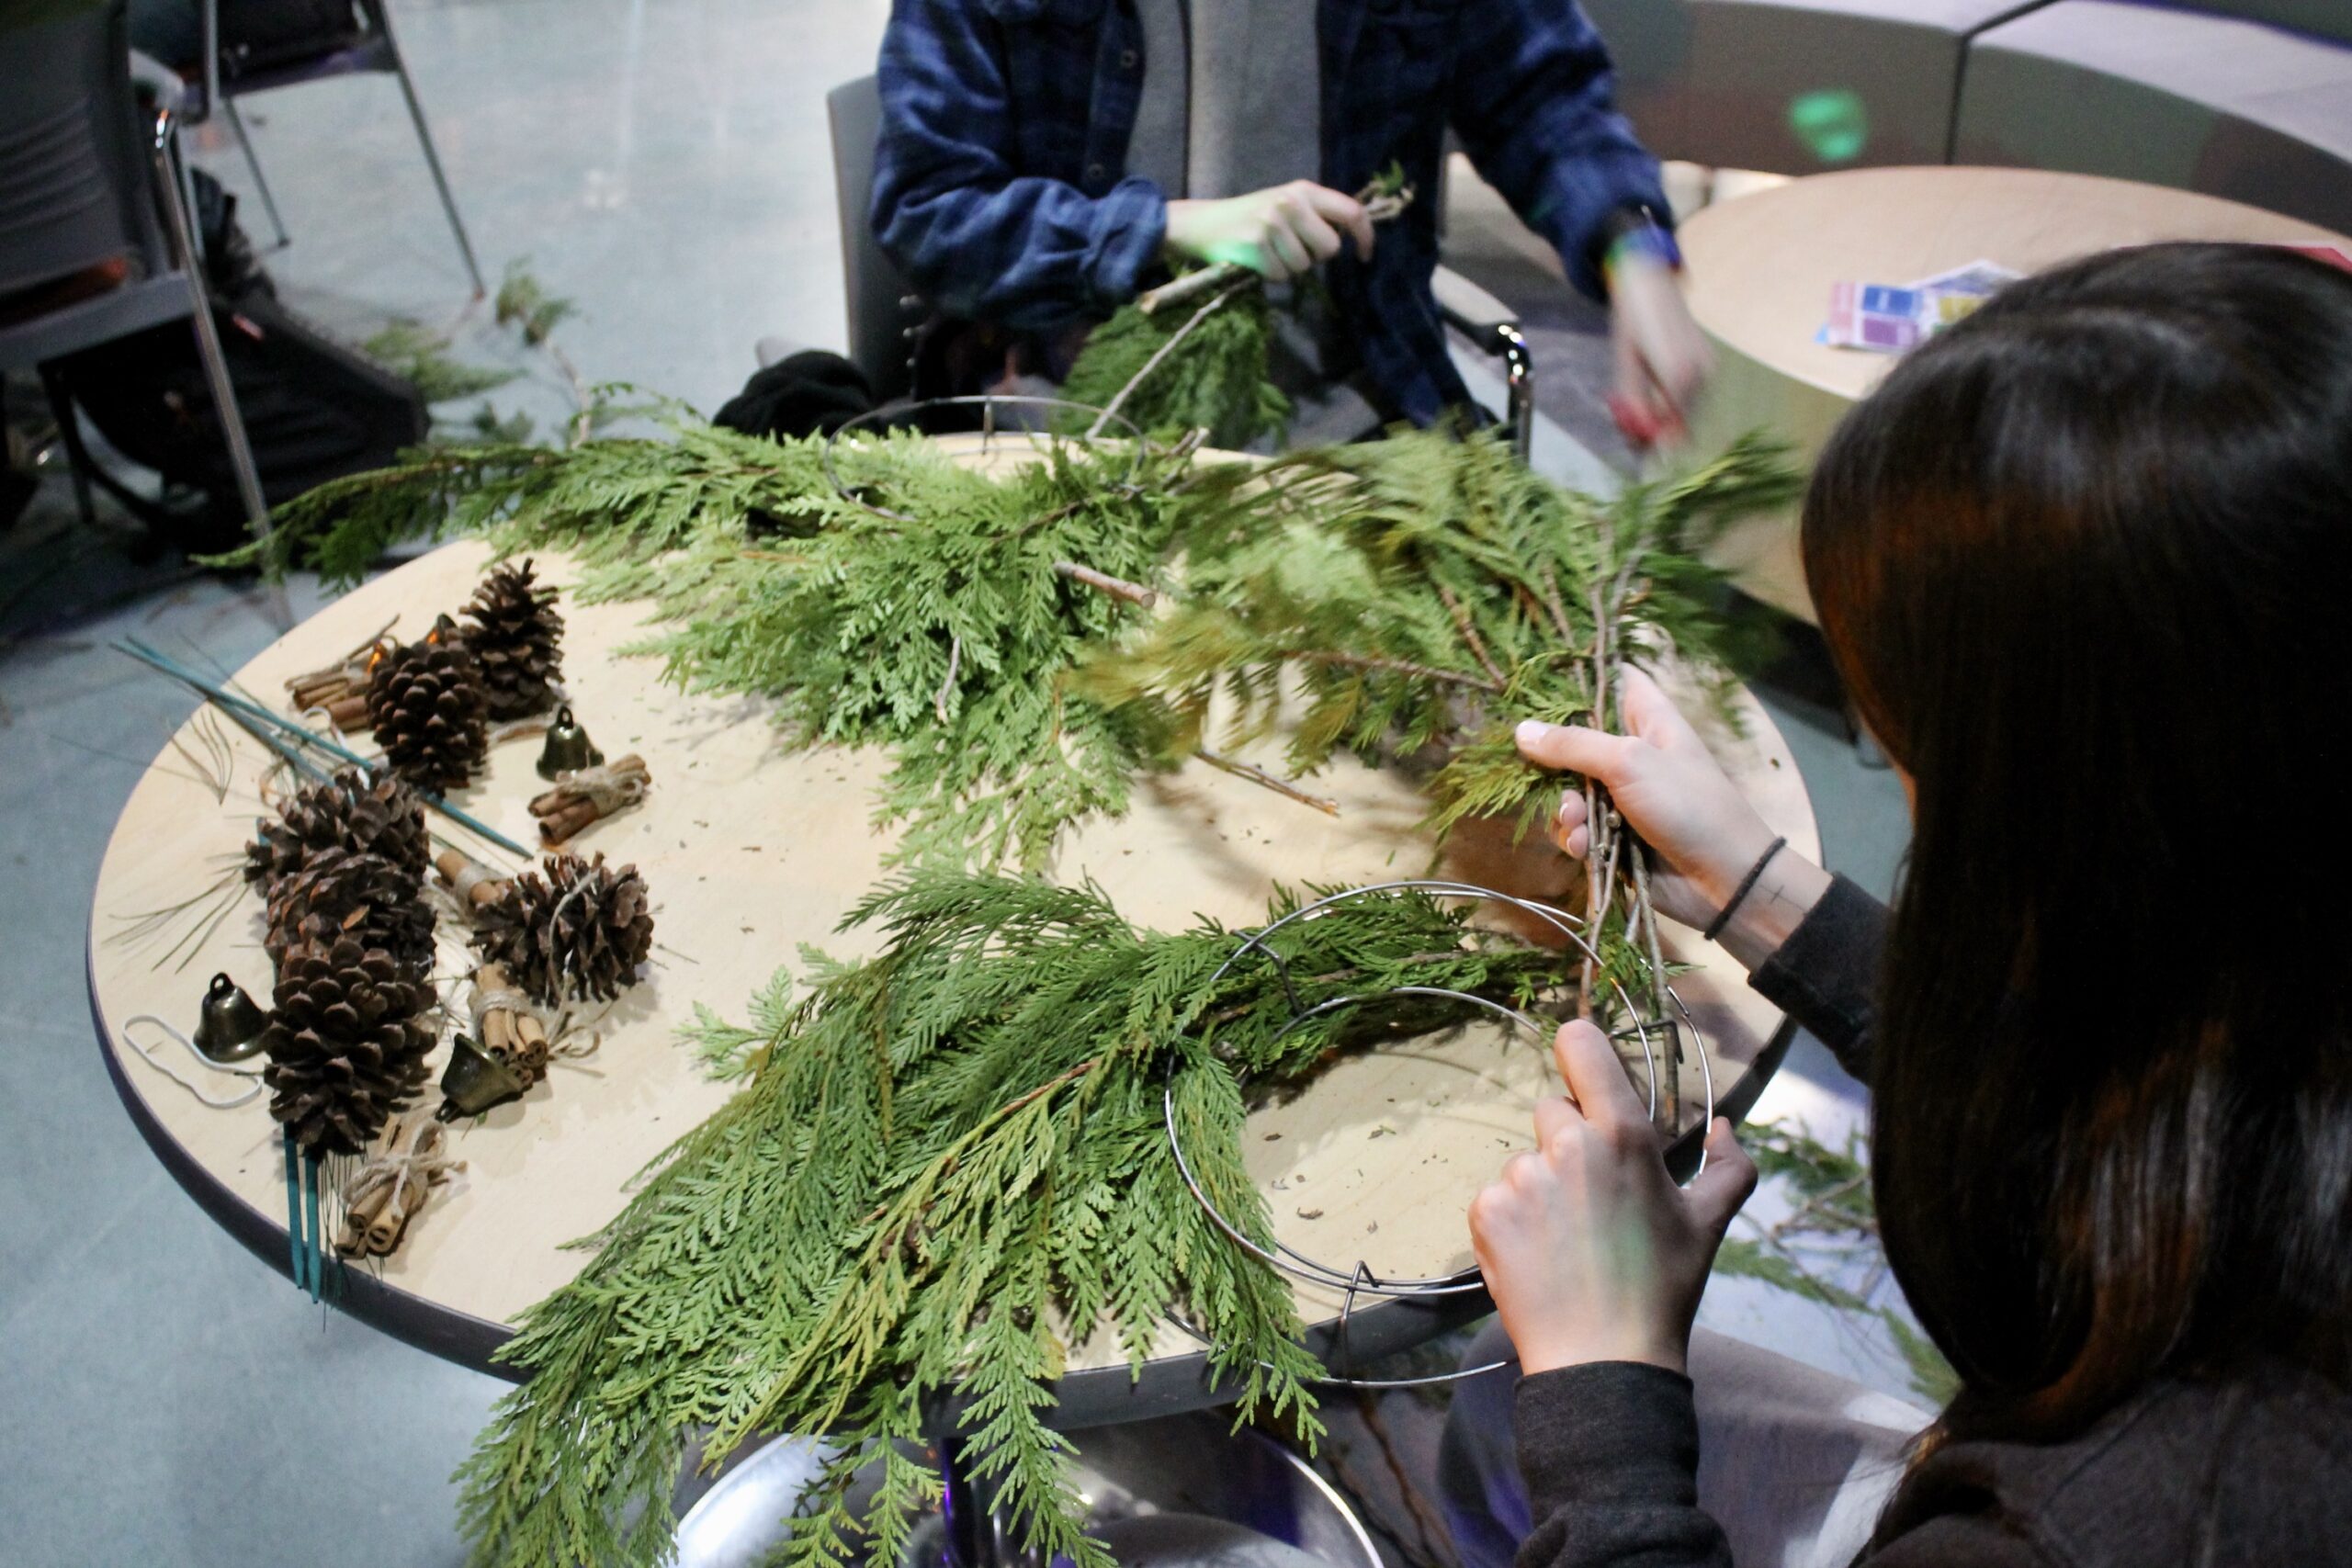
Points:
(1747, 885)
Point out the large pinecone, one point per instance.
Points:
(347, 1042)
(518, 641)
(427, 706)
(379, 816)
(579, 932)
(338, 891)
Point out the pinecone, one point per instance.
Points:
(427, 706)
(339, 892)
(580, 932)
(347, 1042)
(379, 816)
(516, 638)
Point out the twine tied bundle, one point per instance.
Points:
(590, 795)
(390, 1190)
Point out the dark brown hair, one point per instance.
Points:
(2084, 562)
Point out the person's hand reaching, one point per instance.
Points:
(1676, 796)
(1661, 356)
(1591, 1251)
(1281, 232)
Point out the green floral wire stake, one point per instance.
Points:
(249, 714)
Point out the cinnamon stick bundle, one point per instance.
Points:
(589, 797)
(505, 1025)
(476, 884)
(390, 1190)
(340, 689)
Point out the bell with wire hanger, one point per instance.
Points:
(568, 748)
(475, 1081)
(229, 1026)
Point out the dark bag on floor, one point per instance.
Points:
(314, 409)
(259, 34)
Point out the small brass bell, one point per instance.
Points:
(568, 749)
(474, 1081)
(229, 1027)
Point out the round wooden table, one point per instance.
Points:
(1760, 267)
(751, 849)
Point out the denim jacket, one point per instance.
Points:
(1001, 187)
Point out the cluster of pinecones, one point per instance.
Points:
(579, 932)
(342, 876)
(431, 702)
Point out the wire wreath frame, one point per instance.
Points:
(989, 405)
(1361, 1281)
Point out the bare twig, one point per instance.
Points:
(1258, 775)
(1103, 581)
(1192, 285)
(1462, 624)
(1393, 665)
(955, 663)
(1162, 352)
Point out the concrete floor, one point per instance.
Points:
(169, 1401)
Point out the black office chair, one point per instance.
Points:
(87, 178)
(885, 312)
(365, 45)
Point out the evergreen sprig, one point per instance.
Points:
(1425, 591)
(1216, 379)
(1422, 590)
(947, 1166)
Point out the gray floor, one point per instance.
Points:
(168, 1400)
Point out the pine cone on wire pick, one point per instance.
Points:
(426, 703)
(516, 638)
(380, 816)
(346, 1041)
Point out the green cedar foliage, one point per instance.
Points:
(1216, 380)
(1424, 589)
(948, 1166)
(1382, 598)
(943, 641)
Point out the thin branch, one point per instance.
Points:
(955, 663)
(1391, 666)
(1258, 775)
(1192, 285)
(1469, 633)
(1162, 352)
(1103, 581)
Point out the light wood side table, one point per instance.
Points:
(1760, 269)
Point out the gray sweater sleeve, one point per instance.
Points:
(1826, 975)
(1609, 1452)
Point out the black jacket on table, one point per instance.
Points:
(2252, 1469)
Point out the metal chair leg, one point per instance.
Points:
(208, 337)
(431, 156)
(69, 435)
(269, 202)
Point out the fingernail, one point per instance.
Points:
(1532, 730)
(1562, 813)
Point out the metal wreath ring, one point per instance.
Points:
(989, 402)
(1361, 1278)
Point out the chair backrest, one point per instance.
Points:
(74, 180)
(872, 288)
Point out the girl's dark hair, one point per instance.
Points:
(2086, 564)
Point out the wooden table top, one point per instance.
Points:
(1761, 265)
(751, 849)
